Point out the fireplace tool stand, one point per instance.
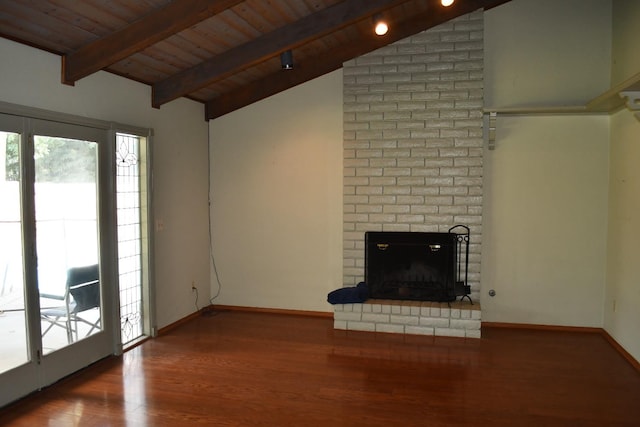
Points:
(462, 288)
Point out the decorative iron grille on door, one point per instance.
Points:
(131, 218)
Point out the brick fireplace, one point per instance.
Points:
(413, 153)
(457, 319)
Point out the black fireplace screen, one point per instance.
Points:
(417, 266)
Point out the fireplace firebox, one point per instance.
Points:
(417, 265)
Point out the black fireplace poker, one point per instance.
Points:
(462, 286)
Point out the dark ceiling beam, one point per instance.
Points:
(152, 28)
(295, 34)
(316, 67)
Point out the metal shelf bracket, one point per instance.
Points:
(633, 101)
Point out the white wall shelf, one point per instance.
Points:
(627, 92)
(608, 102)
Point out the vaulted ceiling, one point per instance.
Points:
(223, 53)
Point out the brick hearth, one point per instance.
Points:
(457, 319)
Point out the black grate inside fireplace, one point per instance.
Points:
(416, 266)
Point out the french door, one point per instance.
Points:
(57, 310)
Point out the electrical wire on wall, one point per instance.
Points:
(197, 296)
(213, 261)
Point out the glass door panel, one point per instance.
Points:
(18, 352)
(74, 257)
(66, 214)
(14, 350)
(57, 253)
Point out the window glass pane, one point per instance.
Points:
(130, 210)
(13, 330)
(66, 208)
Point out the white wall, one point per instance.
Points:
(622, 316)
(545, 221)
(622, 313)
(547, 52)
(31, 77)
(625, 59)
(277, 199)
(545, 183)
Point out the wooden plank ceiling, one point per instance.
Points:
(223, 53)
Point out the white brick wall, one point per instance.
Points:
(413, 140)
(458, 319)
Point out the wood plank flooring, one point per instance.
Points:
(265, 369)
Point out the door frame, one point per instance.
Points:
(108, 341)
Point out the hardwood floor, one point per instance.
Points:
(264, 369)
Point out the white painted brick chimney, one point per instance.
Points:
(413, 140)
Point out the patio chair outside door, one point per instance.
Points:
(79, 316)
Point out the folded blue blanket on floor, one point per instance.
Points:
(359, 293)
